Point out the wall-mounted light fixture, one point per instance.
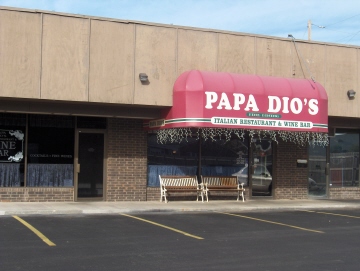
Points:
(351, 94)
(143, 77)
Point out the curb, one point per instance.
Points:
(94, 211)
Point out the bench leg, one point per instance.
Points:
(206, 192)
(242, 196)
(163, 195)
(202, 196)
(166, 201)
(199, 194)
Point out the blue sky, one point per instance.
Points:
(336, 21)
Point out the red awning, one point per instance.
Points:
(239, 101)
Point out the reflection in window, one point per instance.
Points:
(344, 158)
(218, 158)
(12, 138)
(223, 158)
(171, 159)
(262, 156)
(50, 151)
(316, 166)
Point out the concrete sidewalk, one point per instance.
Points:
(99, 207)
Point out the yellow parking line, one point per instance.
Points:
(272, 222)
(330, 214)
(166, 227)
(39, 234)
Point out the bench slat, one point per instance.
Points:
(222, 187)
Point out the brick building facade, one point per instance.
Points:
(87, 87)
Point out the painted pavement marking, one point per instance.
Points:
(38, 233)
(272, 222)
(326, 213)
(163, 226)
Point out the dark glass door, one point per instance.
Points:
(261, 167)
(91, 165)
(317, 171)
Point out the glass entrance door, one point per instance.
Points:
(260, 174)
(90, 165)
(317, 171)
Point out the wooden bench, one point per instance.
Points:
(222, 183)
(180, 184)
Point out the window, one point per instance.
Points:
(171, 158)
(47, 142)
(50, 151)
(344, 158)
(12, 138)
(218, 158)
(223, 158)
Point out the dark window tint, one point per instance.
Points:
(50, 151)
(91, 122)
(12, 144)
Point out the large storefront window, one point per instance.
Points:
(12, 138)
(344, 158)
(38, 150)
(171, 159)
(195, 157)
(50, 151)
(223, 158)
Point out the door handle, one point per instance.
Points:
(78, 168)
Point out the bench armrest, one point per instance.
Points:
(242, 186)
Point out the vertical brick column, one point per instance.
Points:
(126, 160)
(291, 182)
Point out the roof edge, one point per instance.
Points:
(219, 31)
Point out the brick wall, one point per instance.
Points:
(290, 181)
(153, 194)
(36, 194)
(344, 193)
(127, 160)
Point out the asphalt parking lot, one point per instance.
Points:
(262, 240)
